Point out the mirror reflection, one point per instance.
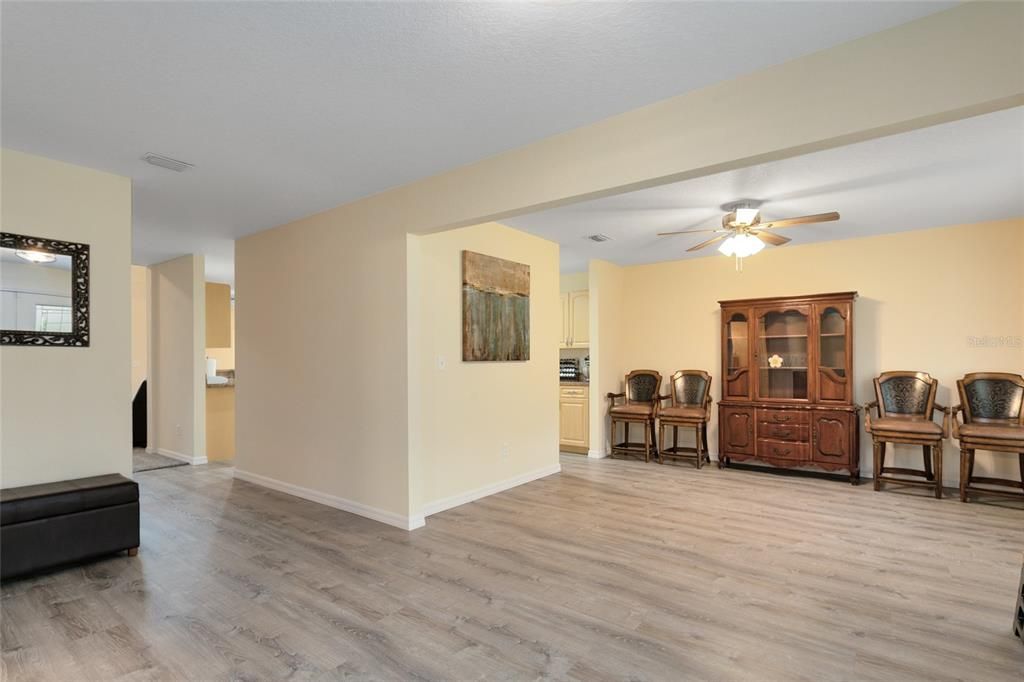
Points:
(35, 291)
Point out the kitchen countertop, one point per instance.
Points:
(230, 384)
(565, 382)
(229, 374)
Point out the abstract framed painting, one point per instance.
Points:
(495, 309)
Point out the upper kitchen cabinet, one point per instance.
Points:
(218, 315)
(575, 319)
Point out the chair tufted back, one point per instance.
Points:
(690, 388)
(642, 387)
(906, 394)
(992, 398)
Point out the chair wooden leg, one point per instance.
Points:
(876, 451)
(647, 444)
(704, 439)
(661, 441)
(970, 466)
(928, 473)
(654, 440)
(937, 451)
(700, 446)
(611, 435)
(1021, 457)
(963, 475)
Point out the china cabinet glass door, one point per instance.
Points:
(833, 350)
(782, 354)
(737, 355)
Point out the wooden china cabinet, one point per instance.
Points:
(787, 391)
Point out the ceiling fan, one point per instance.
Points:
(743, 234)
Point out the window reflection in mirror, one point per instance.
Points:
(35, 291)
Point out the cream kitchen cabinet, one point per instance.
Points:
(574, 418)
(575, 319)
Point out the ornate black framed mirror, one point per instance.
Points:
(44, 292)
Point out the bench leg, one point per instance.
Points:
(133, 551)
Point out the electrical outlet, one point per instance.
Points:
(177, 429)
(506, 450)
(441, 362)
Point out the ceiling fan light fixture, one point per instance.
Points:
(746, 216)
(741, 246)
(37, 257)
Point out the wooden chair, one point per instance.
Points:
(640, 406)
(690, 396)
(906, 407)
(992, 404)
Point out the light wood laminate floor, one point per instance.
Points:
(610, 570)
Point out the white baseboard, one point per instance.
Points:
(180, 456)
(472, 495)
(390, 518)
(596, 454)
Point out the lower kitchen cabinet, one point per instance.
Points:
(574, 418)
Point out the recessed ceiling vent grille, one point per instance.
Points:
(599, 238)
(166, 162)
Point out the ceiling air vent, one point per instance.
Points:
(598, 237)
(166, 162)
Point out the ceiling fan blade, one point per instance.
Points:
(706, 243)
(802, 220)
(666, 234)
(769, 238)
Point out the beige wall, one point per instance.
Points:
(607, 339)
(66, 412)
(576, 281)
(140, 326)
(322, 398)
(924, 295)
(178, 367)
(482, 425)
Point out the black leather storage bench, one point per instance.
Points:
(46, 525)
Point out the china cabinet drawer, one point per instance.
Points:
(784, 416)
(777, 449)
(799, 433)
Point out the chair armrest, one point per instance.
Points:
(956, 422)
(945, 418)
(613, 396)
(662, 398)
(867, 414)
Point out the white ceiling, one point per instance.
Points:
(962, 172)
(290, 108)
